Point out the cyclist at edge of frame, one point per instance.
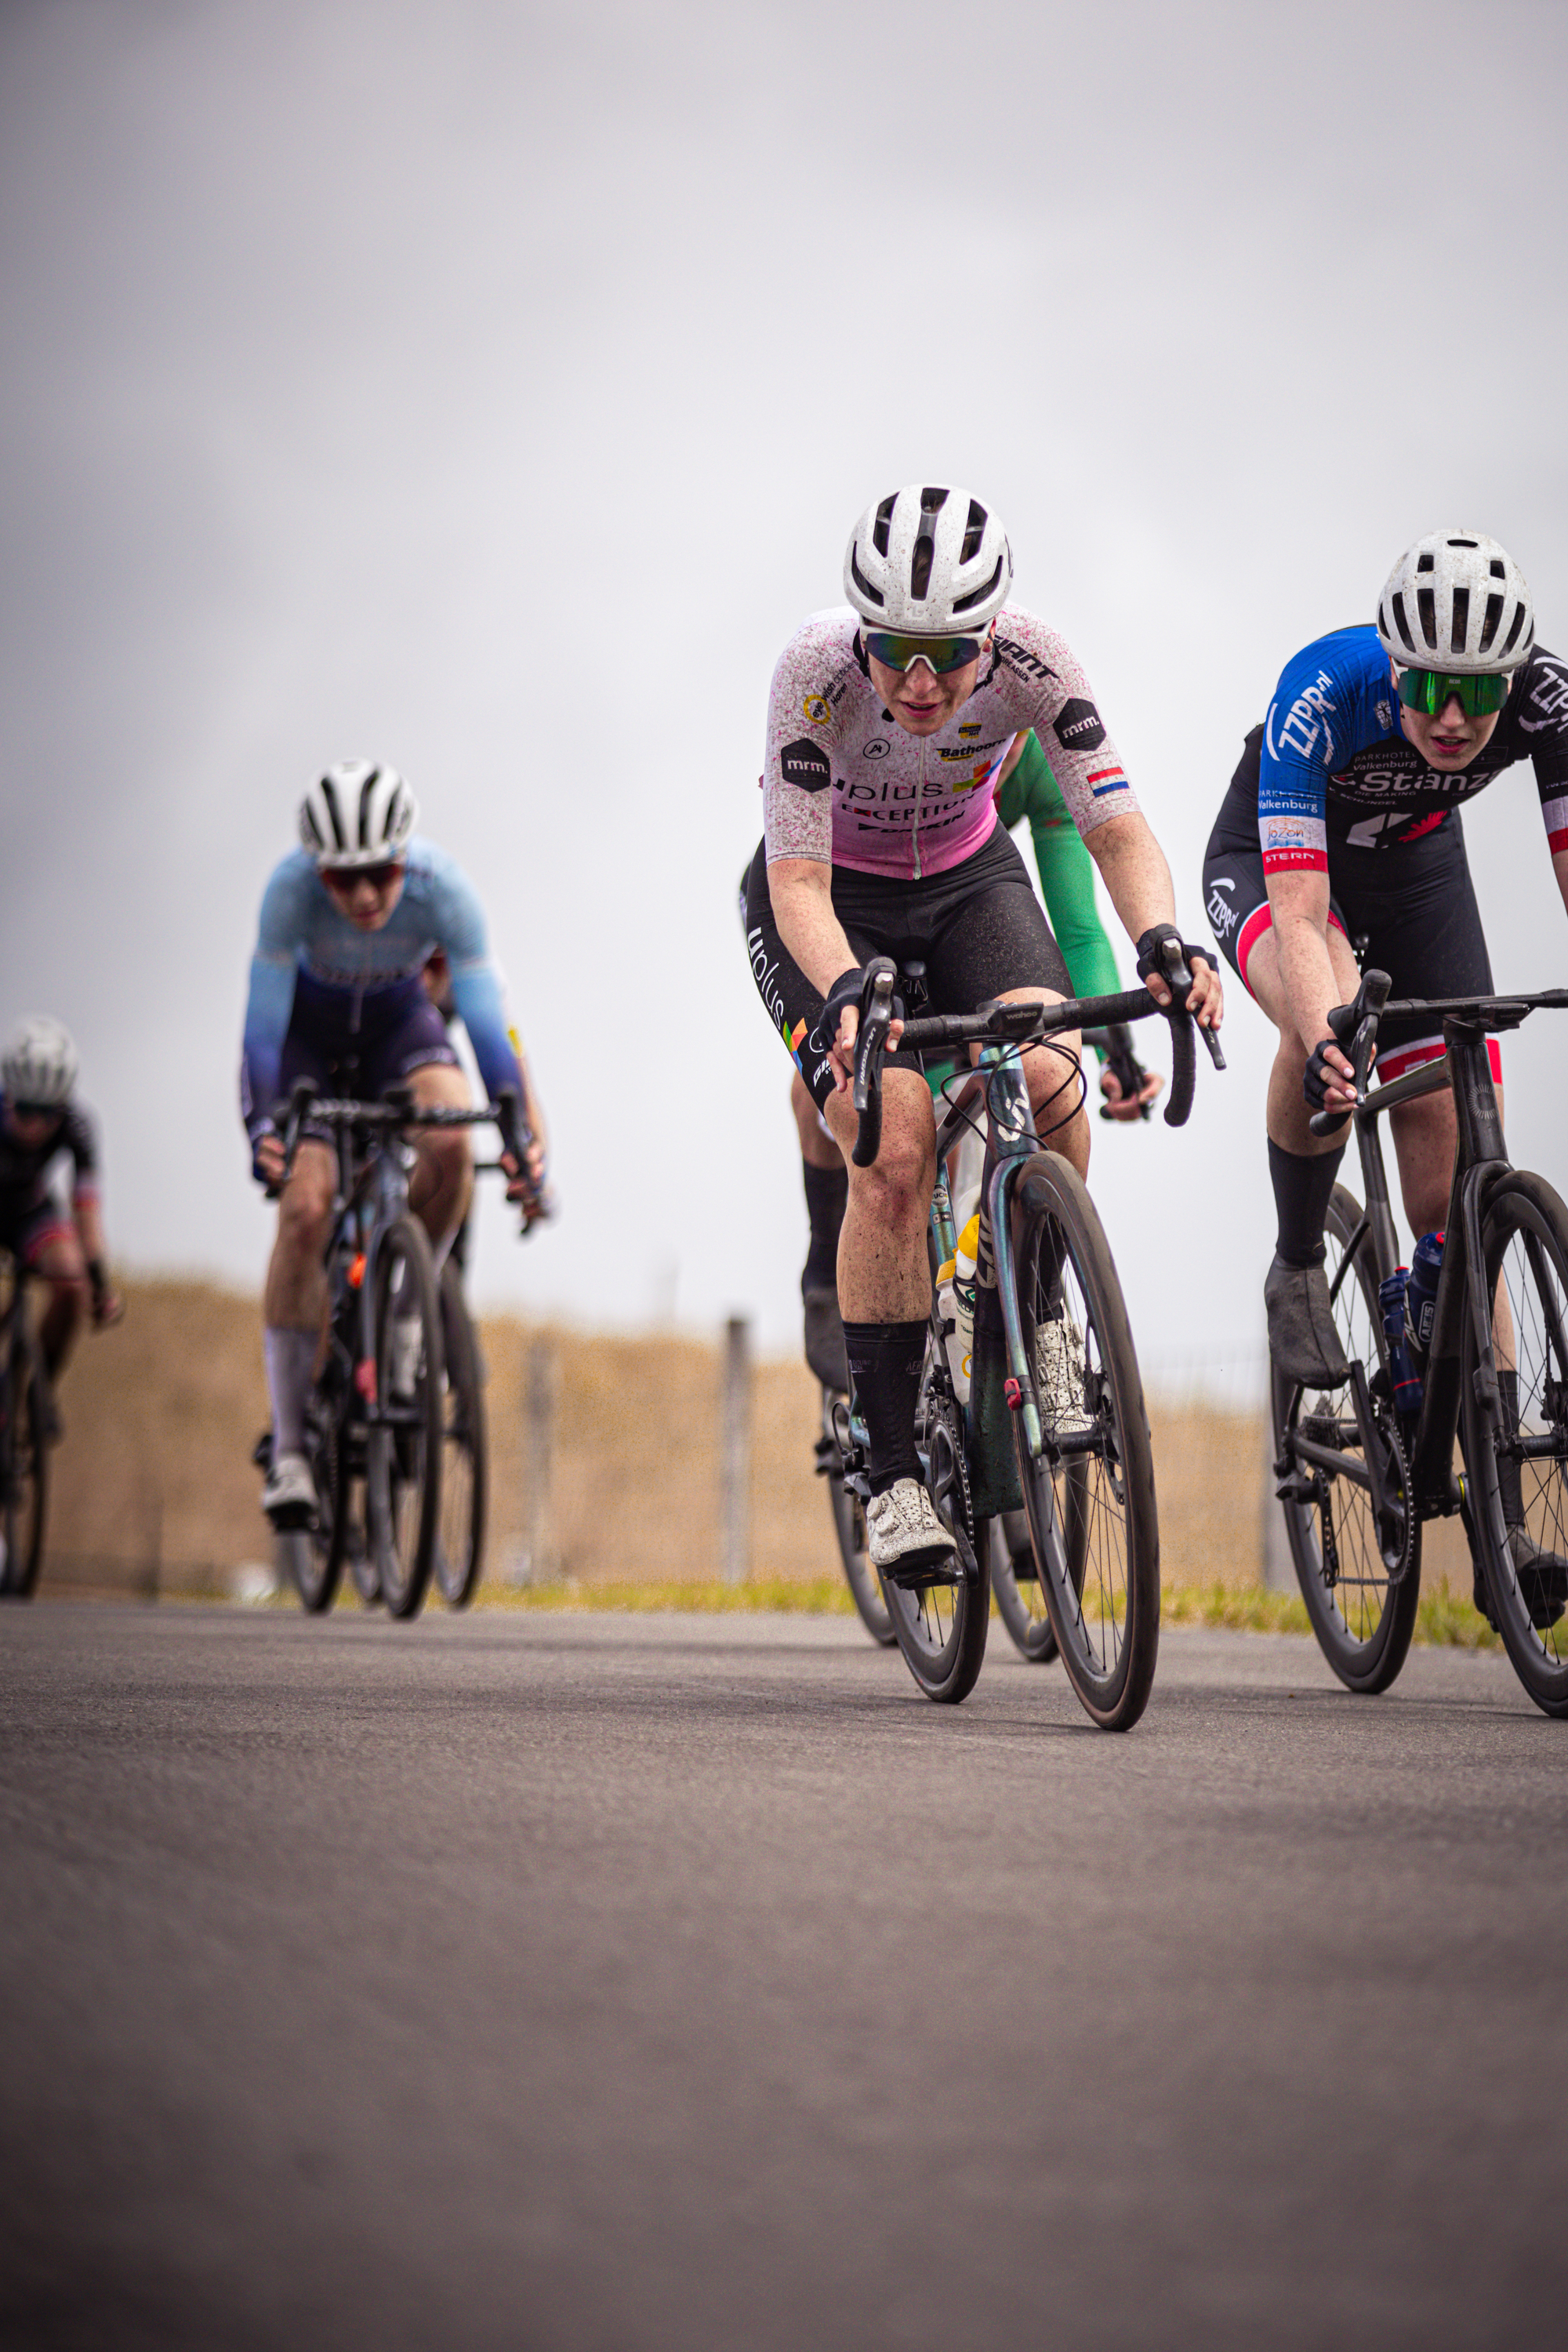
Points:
(1342, 821)
(1026, 788)
(40, 1121)
(349, 921)
(888, 726)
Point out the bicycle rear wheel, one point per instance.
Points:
(1020, 1596)
(24, 1468)
(464, 1456)
(1361, 1590)
(1522, 1537)
(402, 1424)
(850, 1527)
(1101, 1587)
(941, 1628)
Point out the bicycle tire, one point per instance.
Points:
(24, 1467)
(1020, 1597)
(941, 1629)
(1524, 1239)
(311, 1559)
(1363, 1618)
(864, 1584)
(1106, 1618)
(465, 1450)
(403, 1436)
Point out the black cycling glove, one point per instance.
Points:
(259, 1129)
(844, 992)
(1319, 1074)
(1155, 939)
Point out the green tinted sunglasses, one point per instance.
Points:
(901, 654)
(1431, 689)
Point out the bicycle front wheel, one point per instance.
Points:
(404, 1426)
(854, 1545)
(24, 1471)
(1361, 1585)
(1020, 1596)
(941, 1628)
(311, 1559)
(1518, 1495)
(464, 1456)
(1100, 1579)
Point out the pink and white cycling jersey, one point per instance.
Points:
(844, 783)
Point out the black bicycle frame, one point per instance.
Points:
(1480, 1159)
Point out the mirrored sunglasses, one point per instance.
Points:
(943, 654)
(1431, 689)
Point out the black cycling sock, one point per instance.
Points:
(885, 1364)
(1301, 1190)
(827, 1193)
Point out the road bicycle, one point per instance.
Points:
(1360, 1468)
(1071, 1455)
(396, 1410)
(27, 1419)
(1017, 1591)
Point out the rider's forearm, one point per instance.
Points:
(801, 893)
(1136, 876)
(89, 1229)
(1311, 988)
(1560, 868)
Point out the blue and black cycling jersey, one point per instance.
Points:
(358, 984)
(1336, 766)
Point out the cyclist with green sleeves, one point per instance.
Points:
(1026, 789)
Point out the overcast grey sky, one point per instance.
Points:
(491, 388)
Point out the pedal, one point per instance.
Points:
(293, 1518)
(910, 1575)
(1295, 1488)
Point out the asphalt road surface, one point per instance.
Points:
(688, 1982)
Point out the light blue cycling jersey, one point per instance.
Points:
(301, 931)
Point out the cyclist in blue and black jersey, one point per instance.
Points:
(1343, 822)
(349, 922)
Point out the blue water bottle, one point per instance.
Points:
(1421, 1294)
(1391, 1298)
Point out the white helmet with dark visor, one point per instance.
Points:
(1455, 620)
(358, 814)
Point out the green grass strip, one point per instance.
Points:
(1442, 1621)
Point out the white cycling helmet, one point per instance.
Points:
(928, 561)
(38, 1065)
(1456, 602)
(358, 814)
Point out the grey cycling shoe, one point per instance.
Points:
(824, 1339)
(1301, 1335)
(1543, 1579)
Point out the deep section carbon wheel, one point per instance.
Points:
(1361, 1582)
(1095, 1529)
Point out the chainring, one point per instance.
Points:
(947, 1478)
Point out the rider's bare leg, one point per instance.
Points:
(883, 1273)
(442, 1184)
(62, 1266)
(294, 1303)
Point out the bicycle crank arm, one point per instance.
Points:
(1378, 1456)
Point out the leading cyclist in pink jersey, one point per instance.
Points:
(888, 726)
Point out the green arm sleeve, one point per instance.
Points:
(1065, 869)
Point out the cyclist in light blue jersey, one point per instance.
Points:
(348, 923)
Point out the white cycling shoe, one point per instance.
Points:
(908, 1543)
(289, 1497)
(406, 1353)
(1059, 1376)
